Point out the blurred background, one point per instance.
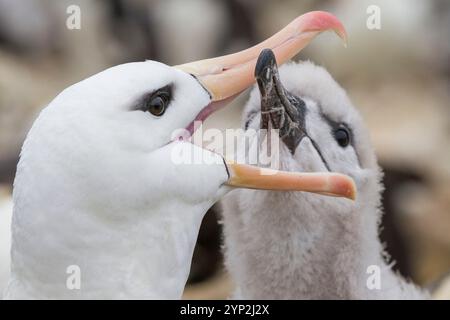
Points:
(397, 75)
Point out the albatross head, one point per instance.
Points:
(97, 186)
(319, 130)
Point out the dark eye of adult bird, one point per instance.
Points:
(342, 136)
(158, 102)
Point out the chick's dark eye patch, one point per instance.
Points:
(336, 125)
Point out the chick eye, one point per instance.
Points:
(342, 136)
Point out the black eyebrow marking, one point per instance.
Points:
(141, 103)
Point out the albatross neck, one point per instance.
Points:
(81, 255)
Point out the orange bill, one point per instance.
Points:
(229, 75)
(331, 184)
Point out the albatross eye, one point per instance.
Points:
(342, 136)
(157, 102)
(157, 105)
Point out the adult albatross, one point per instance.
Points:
(97, 192)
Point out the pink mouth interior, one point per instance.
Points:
(208, 110)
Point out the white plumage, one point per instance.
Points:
(96, 187)
(6, 206)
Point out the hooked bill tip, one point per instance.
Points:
(322, 21)
(343, 35)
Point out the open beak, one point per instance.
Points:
(225, 77)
